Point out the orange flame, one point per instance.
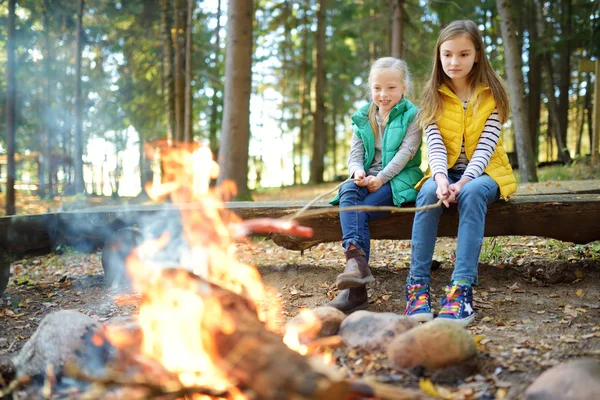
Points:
(177, 320)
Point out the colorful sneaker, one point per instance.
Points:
(457, 304)
(418, 304)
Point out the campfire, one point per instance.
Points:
(207, 327)
(210, 322)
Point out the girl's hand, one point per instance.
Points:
(443, 189)
(360, 175)
(374, 183)
(455, 188)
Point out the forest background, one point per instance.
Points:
(268, 85)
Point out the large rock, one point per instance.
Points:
(434, 344)
(573, 380)
(55, 342)
(316, 323)
(373, 331)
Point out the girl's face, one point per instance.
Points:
(387, 89)
(458, 55)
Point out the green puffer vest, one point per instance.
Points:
(401, 116)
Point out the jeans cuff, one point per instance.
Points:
(468, 279)
(413, 280)
(346, 244)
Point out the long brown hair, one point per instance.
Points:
(431, 104)
(397, 65)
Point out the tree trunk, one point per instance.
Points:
(553, 111)
(318, 153)
(512, 59)
(564, 69)
(595, 111)
(586, 106)
(579, 114)
(78, 161)
(167, 65)
(44, 159)
(534, 79)
(188, 135)
(397, 28)
(283, 83)
(590, 109)
(214, 112)
(179, 71)
(235, 137)
(334, 116)
(303, 94)
(11, 91)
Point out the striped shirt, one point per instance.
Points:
(438, 156)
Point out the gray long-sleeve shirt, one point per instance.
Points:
(407, 150)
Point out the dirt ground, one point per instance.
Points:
(537, 303)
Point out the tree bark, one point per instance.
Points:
(214, 112)
(167, 65)
(512, 59)
(534, 79)
(318, 153)
(188, 135)
(283, 83)
(564, 69)
(397, 28)
(44, 159)
(78, 161)
(553, 109)
(11, 91)
(235, 137)
(303, 90)
(179, 71)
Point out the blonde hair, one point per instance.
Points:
(431, 104)
(395, 64)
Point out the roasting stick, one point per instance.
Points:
(289, 224)
(303, 213)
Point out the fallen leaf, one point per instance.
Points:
(590, 335)
(426, 386)
(501, 393)
(579, 293)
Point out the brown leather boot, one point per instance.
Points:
(350, 300)
(357, 272)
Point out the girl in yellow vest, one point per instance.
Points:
(462, 111)
(385, 157)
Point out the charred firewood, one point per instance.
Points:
(253, 357)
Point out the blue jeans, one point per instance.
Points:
(355, 224)
(472, 200)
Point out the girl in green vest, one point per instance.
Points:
(384, 159)
(463, 108)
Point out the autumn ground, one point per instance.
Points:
(538, 301)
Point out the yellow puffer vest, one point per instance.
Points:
(470, 124)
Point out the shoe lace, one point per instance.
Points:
(417, 298)
(452, 299)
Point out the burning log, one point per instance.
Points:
(255, 359)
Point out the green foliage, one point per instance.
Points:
(123, 64)
(493, 251)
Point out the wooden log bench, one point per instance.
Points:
(570, 218)
(567, 211)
